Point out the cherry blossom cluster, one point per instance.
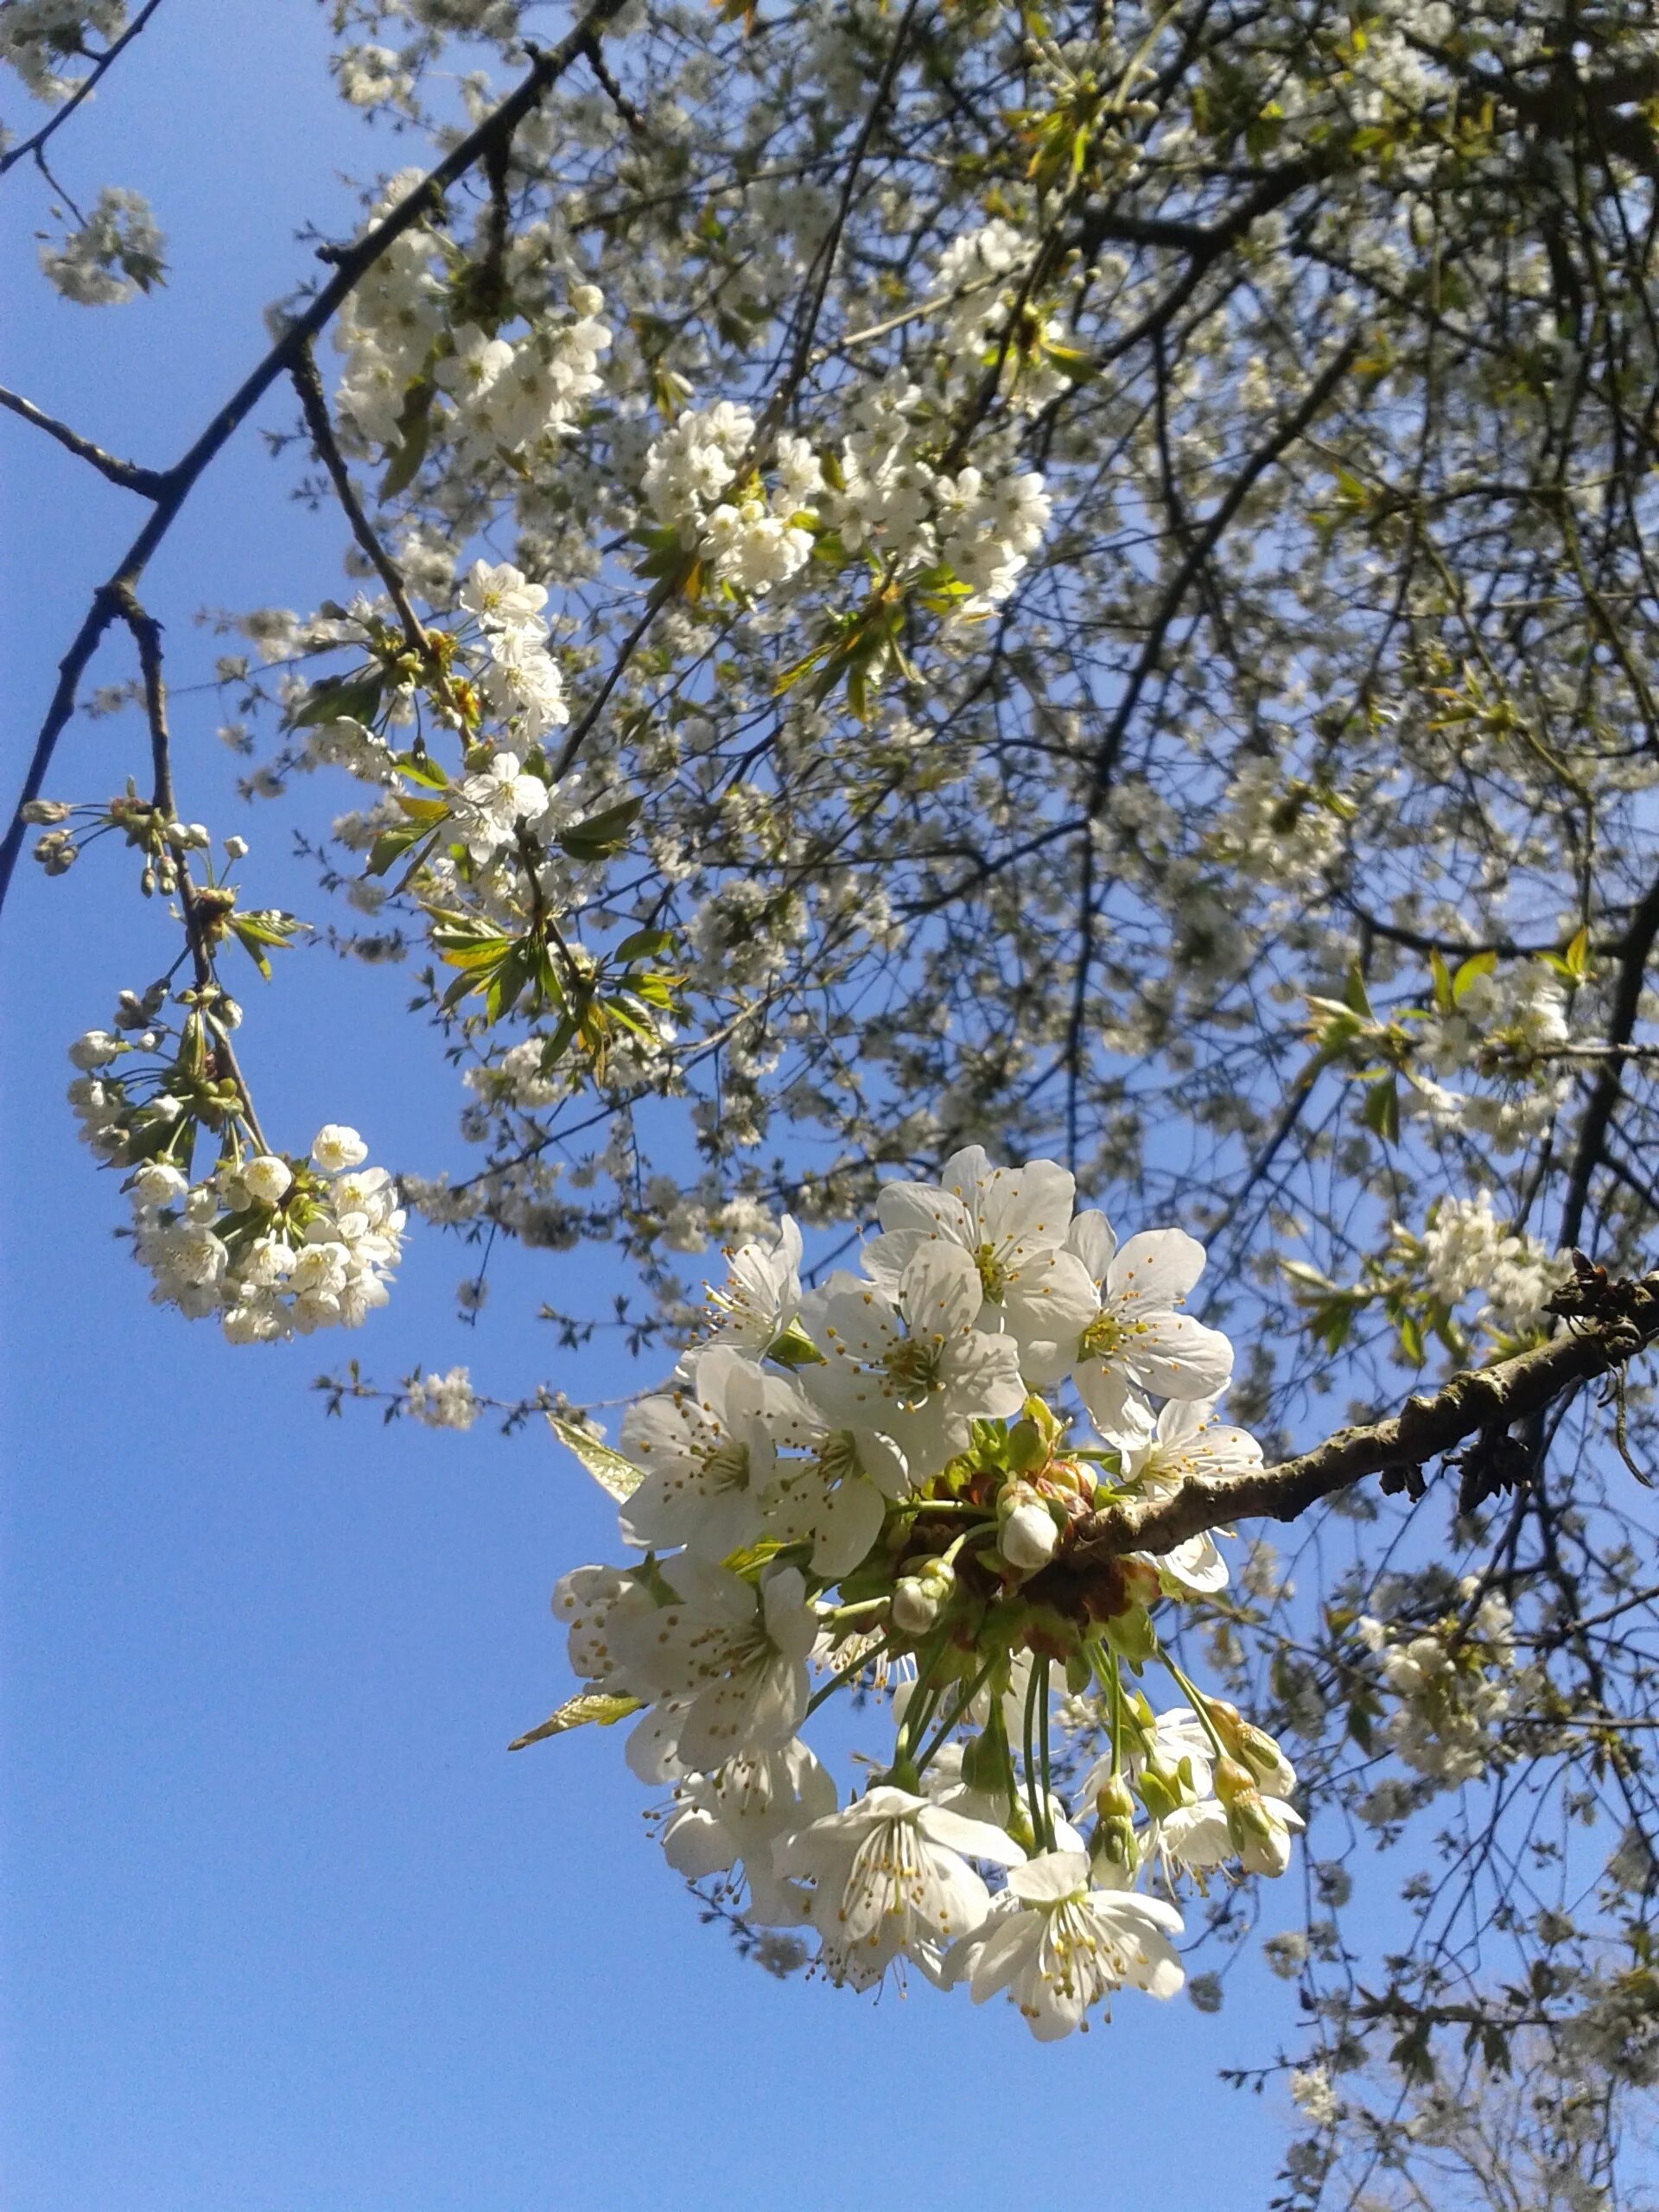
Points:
(982, 523)
(982, 272)
(423, 343)
(37, 37)
(865, 1488)
(110, 256)
(1465, 1248)
(695, 487)
(1454, 1684)
(274, 1245)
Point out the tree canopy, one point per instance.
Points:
(969, 619)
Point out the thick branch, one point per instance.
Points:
(1479, 1399)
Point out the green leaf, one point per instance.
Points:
(261, 927)
(414, 429)
(391, 844)
(601, 835)
(339, 699)
(421, 768)
(1476, 965)
(577, 1713)
(644, 945)
(1383, 1109)
(619, 1476)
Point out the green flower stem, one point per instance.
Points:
(954, 1717)
(1036, 1807)
(1047, 1829)
(855, 1611)
(1198, 1702)
(844, 1675)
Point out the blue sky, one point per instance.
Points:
(285, 1928)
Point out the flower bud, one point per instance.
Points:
(1028, 1446)
(1028, 1536)
(1165, 1789)
(1253, 1748)
(922, 1595)
(1231, 1780)
(236, 848)
(914, 1608)
(1112, 1850)
(45, 811)
(1262, 1841)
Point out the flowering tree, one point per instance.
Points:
(966, 617)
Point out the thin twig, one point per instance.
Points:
(127, 473)
(308, 385)
(33, 149)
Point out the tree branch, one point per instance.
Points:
(34, 147)
(308, 385)
(1429, 1425)
(127, 473)
(354, 263)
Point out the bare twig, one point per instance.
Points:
(308, 385)
(150, 482)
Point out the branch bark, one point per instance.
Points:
(1485, 1398)
(150, 483)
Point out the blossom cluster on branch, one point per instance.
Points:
(868, 1482)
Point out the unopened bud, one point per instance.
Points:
(1260, 1836)
(1112, 1847)
(1028, 1536)
(1231, 1780)
(918, 1598)
(1253, 1748)
(45, 811)
(236, 848)
(1165, 1789)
